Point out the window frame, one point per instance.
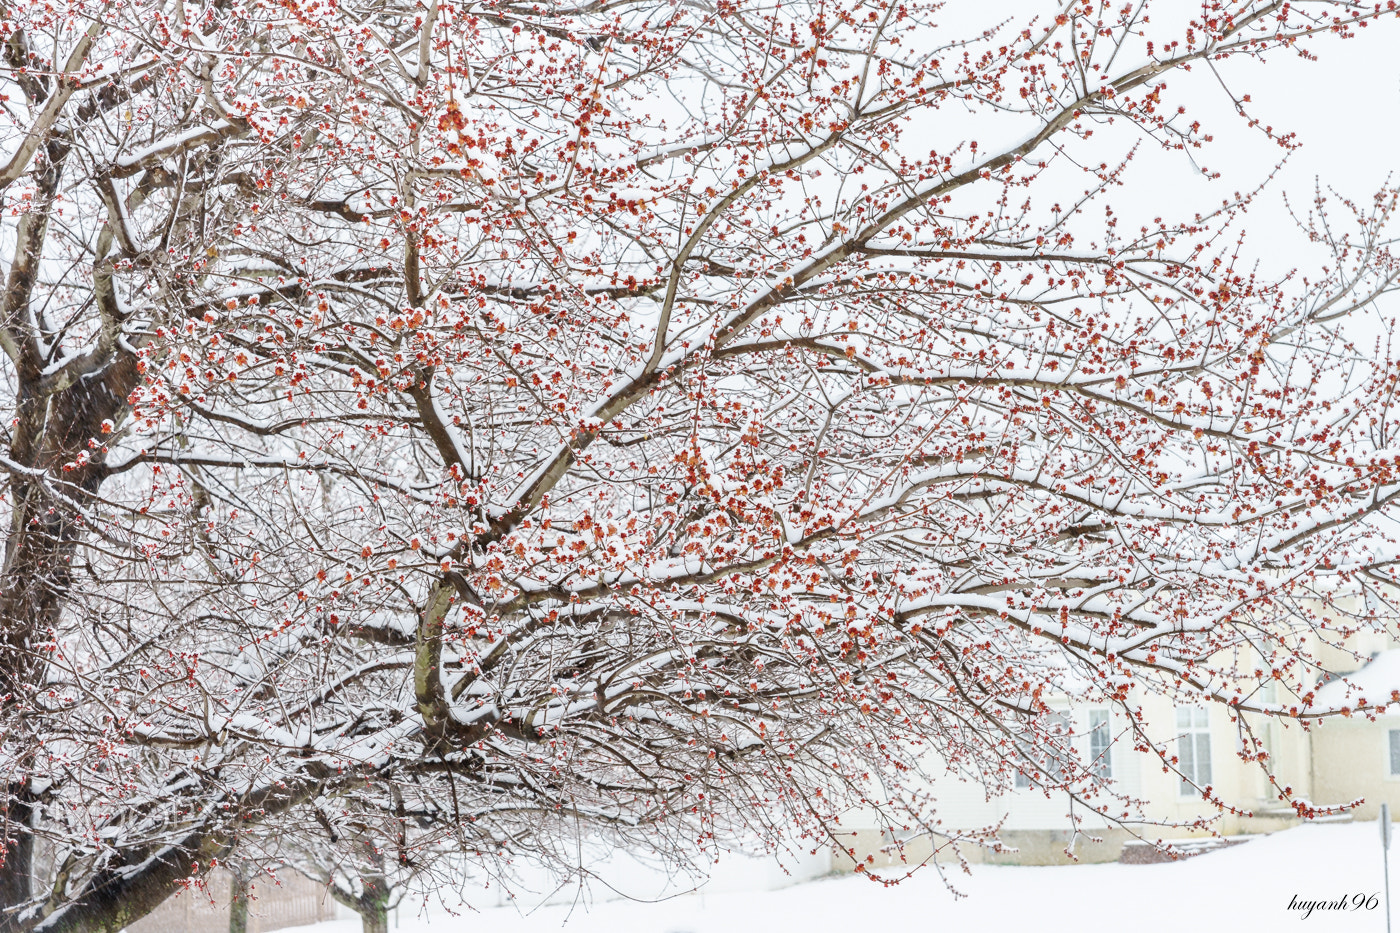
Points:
(1064, 719)
(1195, 730)
(1389, 750)
(1101, 761)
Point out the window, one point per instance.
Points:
(1263, 743)
(1395, 752)
(1193, 748)
(1100, 744)
(1048, 752)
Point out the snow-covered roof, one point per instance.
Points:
(1374, 681)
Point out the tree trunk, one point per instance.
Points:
(36, 575)
(17, 859)
(374, 915)
(372, 904)
(238, 903)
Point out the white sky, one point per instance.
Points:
(1345, 109)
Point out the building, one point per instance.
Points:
(1358, 758)
(1342, 761)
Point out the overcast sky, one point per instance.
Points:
(1344, 107)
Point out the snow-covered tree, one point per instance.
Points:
(487, 423)
(359, 872)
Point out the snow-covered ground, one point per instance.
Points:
(1236, 890)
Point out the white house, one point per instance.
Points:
(1340, 762)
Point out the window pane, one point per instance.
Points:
(1099, 743)
(1187, 754)
(1046, 754)
(1203, 758)
(1053, 759)
(1183, 717)
(1395, 751)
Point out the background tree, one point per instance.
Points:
(367, 891)
(359, 873)
(656, 420)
